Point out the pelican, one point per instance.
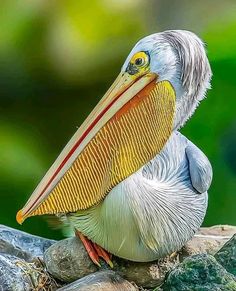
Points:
(128, 182)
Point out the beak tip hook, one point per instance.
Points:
(19, 217)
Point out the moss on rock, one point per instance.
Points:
(199, 273)
(226, 256)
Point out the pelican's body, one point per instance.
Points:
(154, 211)
(127, 179)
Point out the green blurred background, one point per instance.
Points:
(57, 58)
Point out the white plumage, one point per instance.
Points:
(154, 211)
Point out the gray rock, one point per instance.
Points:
(22, 245)
(226, 256)
(199, 273)
(17, 274)
(67, 260)
(11, 274)
(148, 275)
(100, 281)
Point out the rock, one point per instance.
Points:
(21, 244)
(208, 240)
(201, 244)
(198, 273)
(226, 256)
(67, 260)
(100, 281)
(17, 274)
(148, 275)
(11, 274)
(220, 231)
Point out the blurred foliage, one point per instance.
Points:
(57, 58)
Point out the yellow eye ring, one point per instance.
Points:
(140, 59)
(139, 62)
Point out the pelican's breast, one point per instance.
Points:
(151, 213)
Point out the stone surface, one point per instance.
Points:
(23, 245)
(67, 260)
(226, 256)
(218, 231)
(100, 281)
(199, 273)
(148, 275)
(17, 274)
(12, 276)
(208, 240)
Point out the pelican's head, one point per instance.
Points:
(177, 56)
(160, 85)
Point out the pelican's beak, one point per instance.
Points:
(125, 93)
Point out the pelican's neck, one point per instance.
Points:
(185, 107)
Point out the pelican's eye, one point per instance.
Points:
(139, 62)
(140, 59)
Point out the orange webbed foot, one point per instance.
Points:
(94, 251)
